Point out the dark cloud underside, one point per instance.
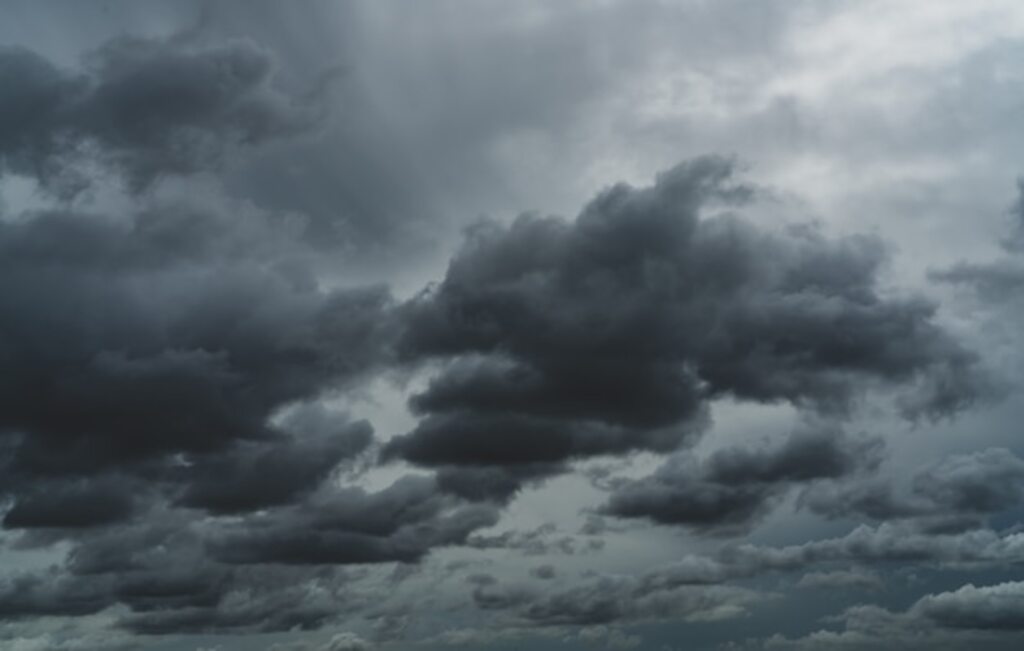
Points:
(611, 333)
(186, 361)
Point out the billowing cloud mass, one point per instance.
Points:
(958, 491)
(736, 485)
(293, 356)
(164, 366)
(144, 107)
(562, 340)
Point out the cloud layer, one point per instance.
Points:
(696, 409)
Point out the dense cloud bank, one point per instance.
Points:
(145, 108)
(560, 340)
(983, 617)
(171, 366)
(731, 489)
(164, 365)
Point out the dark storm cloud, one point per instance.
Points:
(165, 600)
(939, 522)
(163, 368)
(807, 454)
(29, 595)
(986, 616)
(255, 476)
(885, 543)
(160, 572)
(264, 602)
(560, 340)
(144, 107)
(613, 599)
(956, 493)
(400, 523)
(141, 361)
(175, 573)
(146, 352)
(164, 365)
(492, 483)
(728, 491)
(695, 586)
(73, 503)
(173, 323)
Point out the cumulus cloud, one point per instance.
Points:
(728, 491)
(145, 108)
(957, 492)
(166, 363)
(605, 600)
(400, 523)
(987, 617)
(994, 607)
(173, 363)
(566, 339)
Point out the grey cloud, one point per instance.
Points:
(959, 491)
(727, 492)
(995, 280)
(289, 605)
(544, 572)
(141, 360)
(1015, 240)
(838, 579)
(610, 600)
(611, 333)
(163, 363)
(677, 495)
(347, 642)
(1001, 280)
(151, 361)
(72, 503)
(807, 454)
(255, 476)
(539, 541)
(121, 324)
(29, 595)
(492, 483)
(246, 600)
(860, 548)
(338, 642)
(693, 587)
(607, 599)
(611, 638)
(494, 597)
(400, 523)
(886, 542)
(995, 607)
(162, 577)
(144, 107)
(986, 617)
(986, 481)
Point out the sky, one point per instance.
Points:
(444, 324)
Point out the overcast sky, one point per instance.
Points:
(566, 325)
